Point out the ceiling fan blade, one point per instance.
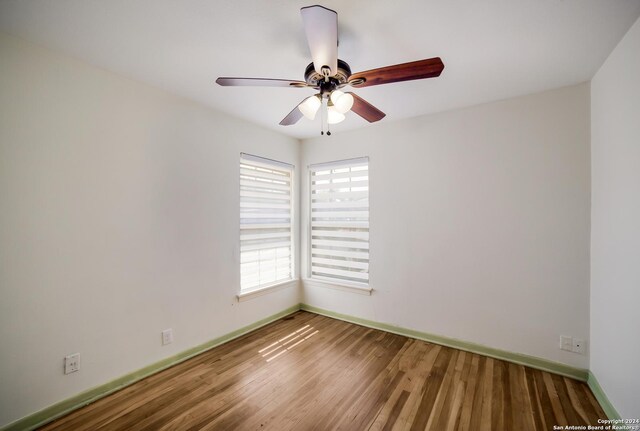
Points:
(420, 69)
(365, 109)
(259, 82)
(321, 28)
(293, 116)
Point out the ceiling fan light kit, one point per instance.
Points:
(309, 106)
(334, 116)
(342, 101)
(328, 75)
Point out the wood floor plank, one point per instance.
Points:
(395, 412)
(497, 402)
(569, 412)
(310, 372)
(469, 395)
(548, 411)
(431, 390)
(487, 396)
(419, 370)
(517, 397)
(535, 406)
(575, 401)
(555, 398)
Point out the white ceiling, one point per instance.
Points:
(492, 49)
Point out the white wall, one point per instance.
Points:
(118, 218)
(479, 222)
(615, 234)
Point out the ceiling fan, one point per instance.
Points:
(328, 74)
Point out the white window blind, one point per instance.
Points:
(340, 221)
(265, 222)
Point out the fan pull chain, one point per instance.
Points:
(323, 110)
(326, 110)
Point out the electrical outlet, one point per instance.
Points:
(167, 336)
(579, 345)
(72, 363)
(566, 343)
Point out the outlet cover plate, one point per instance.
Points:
(167, 336)
(72, 363)
(566, 343)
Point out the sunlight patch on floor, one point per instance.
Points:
(283, 345)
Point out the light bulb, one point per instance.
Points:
(342, 101)
(333, 116)
(309, 107)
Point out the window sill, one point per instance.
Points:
(266, 289)
(362, 290)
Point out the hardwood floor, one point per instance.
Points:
(309, 372)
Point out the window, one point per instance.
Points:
(340, 222)
(265, 222)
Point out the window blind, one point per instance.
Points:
(340, 221)
(265, 222)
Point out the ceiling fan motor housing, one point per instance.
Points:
(338, 79)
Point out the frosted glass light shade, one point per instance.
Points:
(333, 116)
(342, 101)
(309, 107)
